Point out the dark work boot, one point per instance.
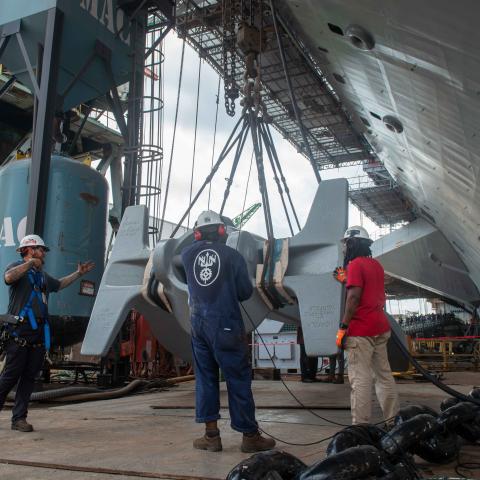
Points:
(211, 444)
(252, 443)
(22, 425)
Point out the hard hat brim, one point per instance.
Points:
(19, 249)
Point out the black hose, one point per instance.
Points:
(105, 394)
(57, 393)
(120, 392)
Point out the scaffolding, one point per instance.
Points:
(379, 197)
(332, 138)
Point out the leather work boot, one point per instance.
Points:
(22, 426)
(211, 444)
(256, 443)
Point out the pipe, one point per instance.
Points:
(185, 378)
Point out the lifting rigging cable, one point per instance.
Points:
(195, 131)
(214, 138)
(173, 141)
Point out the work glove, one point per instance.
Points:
(340, 337)
(340, 274)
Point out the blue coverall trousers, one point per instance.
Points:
(220, 343)
(22, 365)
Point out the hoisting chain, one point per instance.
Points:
(229, 60)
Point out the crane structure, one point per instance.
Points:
(241, 219)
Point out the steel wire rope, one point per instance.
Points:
(268, 148)
(173, 141)
(282, 176)
(233, 170)
(268, 257)
(195, 132)
(214, 139)
(226, 150)
(245, 196)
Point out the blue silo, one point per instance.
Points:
(75, 230)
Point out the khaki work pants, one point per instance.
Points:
(368, 363)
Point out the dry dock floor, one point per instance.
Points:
(150, 435)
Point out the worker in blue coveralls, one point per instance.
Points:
(218, 280)
(29, 340)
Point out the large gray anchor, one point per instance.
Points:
(153, 283)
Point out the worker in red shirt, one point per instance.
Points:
(365, 330)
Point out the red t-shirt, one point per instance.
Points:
(369, 318)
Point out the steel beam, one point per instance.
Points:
(8, 30)
(80, 129)
(3, 44)
(43, 127)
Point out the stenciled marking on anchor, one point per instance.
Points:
(320, 316)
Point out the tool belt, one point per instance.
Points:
(10, 319)
(6, 337)
(22, 342)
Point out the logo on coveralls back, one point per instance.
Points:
(206, 267)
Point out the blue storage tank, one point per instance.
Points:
(75, 230)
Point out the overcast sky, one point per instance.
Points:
(297, 169)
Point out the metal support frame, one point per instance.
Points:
(8, 30)
(79, 131)
(23, 50)
(3, 44)
(115, 106)
(43, 126)
(132, 176)
(82, 70)
(13, 29)
(6, 86)
(158, 41)
(292, 94)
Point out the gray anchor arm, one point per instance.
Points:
(121, 283)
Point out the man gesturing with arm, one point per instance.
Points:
(29, 289)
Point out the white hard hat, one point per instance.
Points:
(208, 217)
(32, 241)
(356, 232)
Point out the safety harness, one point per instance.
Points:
(37, 282)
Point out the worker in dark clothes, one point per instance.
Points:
(28, 341)
(308, 365)
(365, 330)
(332, 367)
(218, 280)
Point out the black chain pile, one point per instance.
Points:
(369, 452)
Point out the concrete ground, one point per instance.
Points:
(150, 435)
